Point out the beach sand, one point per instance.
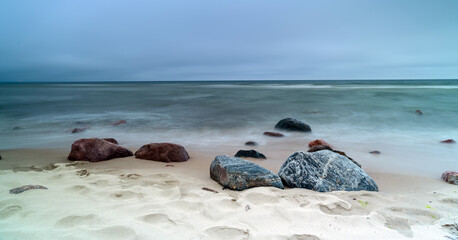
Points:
(128, 198)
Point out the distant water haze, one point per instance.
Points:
(357, 116)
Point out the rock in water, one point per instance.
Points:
(0, 157)
(318, 142)
(324, 171)
(78, 130)
(448, 141)
(249, 153)
(95, 149)
(251, 143)
(239, 174)
(24, 188)
(163, 152)
(375, 152)
(419, 112)
(273, 134)
(112, 140)
(291, 124)
(450, 177)
(119, 122)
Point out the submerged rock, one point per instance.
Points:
(291, 124)
(251, 143)
(112, 140)
(250, 154)
(324, 171)
(78, 130)
(448, 141)
(418, 112)
(375, 152)
(95, 149)
(318, 142)
(238, 174)
(119, 122)
(24, 188)
(273, 134)
(162, 152)
(450, 177)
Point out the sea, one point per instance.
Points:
(358, 116)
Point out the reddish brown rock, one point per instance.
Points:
(448, 141)
(112, 140)
(319, 148)
(419, 112)
(273, 134)
(318, 142)
(450, 177)
(119, 122)
(95, 149)
(163, 152)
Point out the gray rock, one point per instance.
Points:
(324, 171)
(250, 154)
(291, 124)
(251, 143)
(239, 174)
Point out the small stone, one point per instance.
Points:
(251, 143)
(209, 189)
(247, 207)
(318, 142)
(0, 157)
(291, 124)
(419, 112)
(26, 188)
(375, 152)
(450, 177)
(448, 141)
(273, 134)
(78, 130)
(250, 154)
(169, 165)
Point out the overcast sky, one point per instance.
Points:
(127, 40)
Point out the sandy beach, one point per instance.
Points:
(129, 198)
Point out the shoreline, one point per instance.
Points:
(129, 198)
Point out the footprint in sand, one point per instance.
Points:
(418, 215)
(157, 219)
(303, 237)
(113, 233)
(81, 189)
(75, 220)
(453, 202)
(261, 198)
(226, 233)
(10, 211)
(125, 195)
(301, 200)
(401, 225)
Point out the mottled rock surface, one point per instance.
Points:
(450, 177)
(162, 152)
(112, 140)
(251, 143)
(291, 124)
(95, 149)
(324, 171)
(273, 134)
(239, 174)
(24, 188)
(250, 154)
(318, 142)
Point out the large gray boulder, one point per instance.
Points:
(292, 124)
(324, 171)
(239, 174)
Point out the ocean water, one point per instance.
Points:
(358, 115)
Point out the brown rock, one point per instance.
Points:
(119, 122)
(112, 140)
(273, 134)
(448, 141)
(163, 152)
(450, 177)
(419, 112)
(318, 142)
(319, 148)
(95, 149)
